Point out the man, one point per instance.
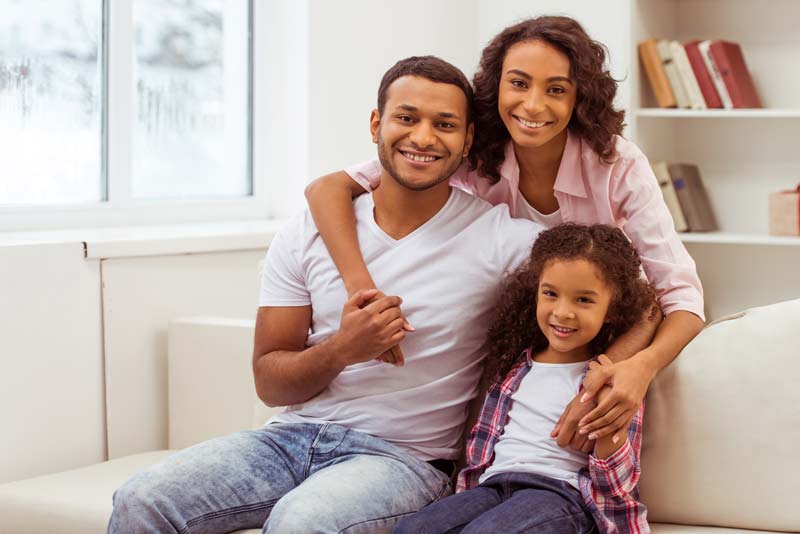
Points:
(361, 443)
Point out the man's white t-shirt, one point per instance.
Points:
(448, 272)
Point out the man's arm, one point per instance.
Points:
(286, 372)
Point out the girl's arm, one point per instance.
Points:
(330, 199)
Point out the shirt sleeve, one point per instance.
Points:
(282, 277)
(645, 219)
(367, 174)
(615, 482)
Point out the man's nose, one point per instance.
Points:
(423, 135)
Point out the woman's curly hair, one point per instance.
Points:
(594, 117)
(515, 327)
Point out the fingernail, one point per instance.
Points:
(615, 439)
(411, 328)
(582, 431)
(592, 436)
(585, 397)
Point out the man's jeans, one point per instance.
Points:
(288, 478)
(511, 503)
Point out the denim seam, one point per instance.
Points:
(573, 514)
(228, 511)
(310, 460)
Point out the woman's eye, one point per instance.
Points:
(557, 90)
(518, 83)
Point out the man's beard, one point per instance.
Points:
(385, 156)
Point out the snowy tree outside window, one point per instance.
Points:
(189, 132)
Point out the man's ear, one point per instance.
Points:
(374, 124)
(469, 139)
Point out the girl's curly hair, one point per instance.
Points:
(515, 327)
(594, 117)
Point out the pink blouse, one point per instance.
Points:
(624, 194)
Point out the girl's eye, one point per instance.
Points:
(585, 300)
(548, 293)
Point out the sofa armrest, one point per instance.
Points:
(210, 379)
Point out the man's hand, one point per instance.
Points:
(629, 380)
(566, 429)
(368, 329)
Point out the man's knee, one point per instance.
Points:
(137, 508)
(298, 516)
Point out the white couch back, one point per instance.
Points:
(722, 426)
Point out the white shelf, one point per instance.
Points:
(718, 113)
(727, 238)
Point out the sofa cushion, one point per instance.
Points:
(722, 426)
(70, 502)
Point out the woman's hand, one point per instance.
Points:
(395, 354)
(629, 380)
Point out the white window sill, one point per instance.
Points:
(120, 242)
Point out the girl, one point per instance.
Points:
(580, 290)
(548, 144)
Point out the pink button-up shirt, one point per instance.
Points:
(624, 194)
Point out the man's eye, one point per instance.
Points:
(447, 125)
(405, 118)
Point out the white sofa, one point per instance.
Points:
(721, 429)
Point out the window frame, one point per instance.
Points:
(117, 207)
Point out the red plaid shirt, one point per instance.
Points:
(610, 487)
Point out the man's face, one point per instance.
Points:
(423, 134)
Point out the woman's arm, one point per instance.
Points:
(330, 199)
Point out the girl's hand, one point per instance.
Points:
(629, 380)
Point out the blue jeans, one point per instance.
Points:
(286, 478)
(510, 503)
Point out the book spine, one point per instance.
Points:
(693, 197)
(648, 54)
(672, 74)
(730, 61)
(686, 73)
(701, 73)
(670, 196)
(716, 77)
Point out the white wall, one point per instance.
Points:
(352, 43)
(51, 367)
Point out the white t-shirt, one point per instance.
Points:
(448, 272)
(525, 210)
(525, 445)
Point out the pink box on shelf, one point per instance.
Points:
(784, 212)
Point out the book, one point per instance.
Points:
(692, 196)
(651, 61)
(681, 60)
(716, 77)
(661, 171)
(665, 53)
(730, 62)
(704, 80)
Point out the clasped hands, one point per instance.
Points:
(619, 389)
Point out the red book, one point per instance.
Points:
(729, 60)
(710, 94)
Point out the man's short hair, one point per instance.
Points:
(431, 68)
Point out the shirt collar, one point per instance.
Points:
(569, 179)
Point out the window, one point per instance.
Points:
(126, 111)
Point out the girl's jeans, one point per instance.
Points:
(511, 503)
(287, 478)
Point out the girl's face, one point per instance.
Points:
(536, 95)
(571, 306)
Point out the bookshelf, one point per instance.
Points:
(743, 154)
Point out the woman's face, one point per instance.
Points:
(536, 95)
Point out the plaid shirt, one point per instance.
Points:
(610, 487)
